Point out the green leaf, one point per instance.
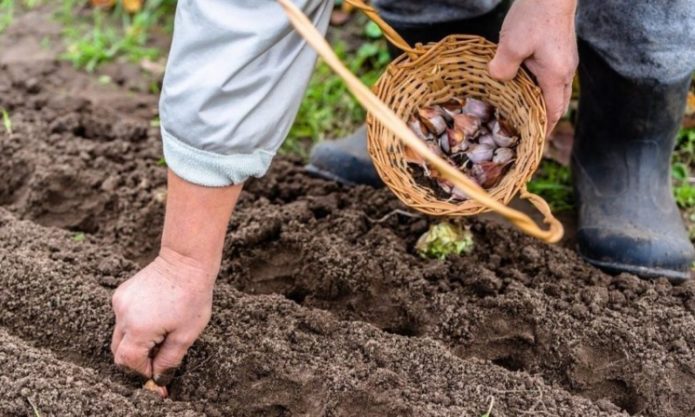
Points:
(679, 171)
(6, 121)
(372, 30)
(78, 237)
(444, 239)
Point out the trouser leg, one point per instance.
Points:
(633, 89)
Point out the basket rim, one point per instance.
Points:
(525, 85)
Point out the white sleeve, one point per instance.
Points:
(235, 78)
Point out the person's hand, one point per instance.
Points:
(541, 34)
(160, 312)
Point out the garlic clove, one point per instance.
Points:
(458, 194)
(444, 143)
(152, 386)
(412, 157)
(478, 108)
(433, 120)
(502, 136)
(488, 174)
(416, 126)
(452, 107)
(480, 153)
(468, 124)
(456, 136)
(487, 140)
(502, 156)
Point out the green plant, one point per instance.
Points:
(553, 182)
(6, 121)
(681, 166)
(7, 8)
(89, 45)
(328, 108)
(444, 239)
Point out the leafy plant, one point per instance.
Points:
(553, 182)
(683, 160)
(444, 239)
(100, 41)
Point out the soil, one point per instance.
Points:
(322, 307)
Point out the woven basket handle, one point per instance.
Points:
(389, 33)
(392, 122)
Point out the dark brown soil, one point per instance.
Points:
(322, 308)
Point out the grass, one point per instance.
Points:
(8, 8)
(682, 166)
(553, 182)
(102, 39)
(328, 108)
(6, 121)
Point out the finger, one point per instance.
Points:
(168, 358)
(555, 102)
(134, 355)
(116, 338)
(507, 60)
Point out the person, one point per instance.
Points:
(237, 73)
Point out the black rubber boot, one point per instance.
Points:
(346, 160)
(621, 164)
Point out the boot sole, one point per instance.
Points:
(641, 271)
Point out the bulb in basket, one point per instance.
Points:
(468, 133)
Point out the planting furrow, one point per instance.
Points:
(513, 301)
(36, 382)
(260, 354)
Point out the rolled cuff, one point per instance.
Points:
(211, 169)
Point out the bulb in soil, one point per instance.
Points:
(502, 156)
(433, 120)
(152, 386)
(478, 108)
(480, 153)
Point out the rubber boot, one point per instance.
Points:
(621, 165)
(346, 160)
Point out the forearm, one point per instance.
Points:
(196, 221)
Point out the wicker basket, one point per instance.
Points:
(433, 73)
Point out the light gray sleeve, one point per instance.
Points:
(236, 75)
